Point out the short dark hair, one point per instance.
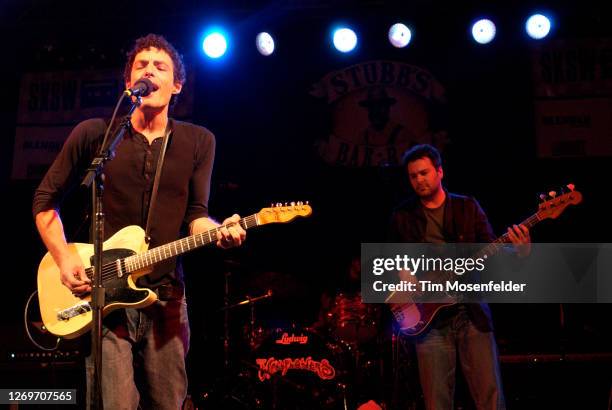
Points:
(159, 42)
(422, 151)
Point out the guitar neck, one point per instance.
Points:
(184, 245)
(497, 244)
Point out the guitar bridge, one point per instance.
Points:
(73, 311)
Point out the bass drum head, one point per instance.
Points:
(299, 369)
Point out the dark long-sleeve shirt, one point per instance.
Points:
(183, 189)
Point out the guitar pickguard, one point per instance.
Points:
(117, 289)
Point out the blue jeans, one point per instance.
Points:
(143, 357)
(454, 334)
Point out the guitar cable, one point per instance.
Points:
(27, 329)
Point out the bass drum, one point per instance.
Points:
(353, 322)
(299, 369)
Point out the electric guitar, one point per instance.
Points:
(125, 258)
(414, 318)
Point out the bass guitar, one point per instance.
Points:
(414, 318)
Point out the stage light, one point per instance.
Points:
(399, 35)
(214, 44)
(344, 39)
(483, 31)
(538, 26)
(264, 43)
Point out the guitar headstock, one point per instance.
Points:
(281, 213)
(553, 207)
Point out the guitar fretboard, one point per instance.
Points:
(178, 247)
(496, 245)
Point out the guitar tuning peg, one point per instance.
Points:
(542, 197)
(552, 194)
(307, 202)
(285, 203)
(300, 203)
(292, 203)
(571, 187)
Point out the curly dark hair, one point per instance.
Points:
(159, 42)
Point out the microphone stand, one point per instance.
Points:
(95, 179)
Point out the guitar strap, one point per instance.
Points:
(160, 162)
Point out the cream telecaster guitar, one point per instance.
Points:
(125, 259)
(414, 318)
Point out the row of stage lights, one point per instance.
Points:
(344, 39)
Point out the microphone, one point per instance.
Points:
(141, 88)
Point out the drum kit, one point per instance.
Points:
(291, 366)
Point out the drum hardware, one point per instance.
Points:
(252, 329)
(231, 388)
(227, 306)
(251, 301)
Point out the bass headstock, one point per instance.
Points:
(558, 201)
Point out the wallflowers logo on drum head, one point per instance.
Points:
(270, 366)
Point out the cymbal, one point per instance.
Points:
(281, 284)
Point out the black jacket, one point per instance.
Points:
(464, 222)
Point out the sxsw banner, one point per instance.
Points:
(572, 83)
(52, 103)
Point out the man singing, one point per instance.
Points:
(150, 344)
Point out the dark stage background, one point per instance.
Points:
(267, 127)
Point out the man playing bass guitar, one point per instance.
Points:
(462, 330)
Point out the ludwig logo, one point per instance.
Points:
(285, 339)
